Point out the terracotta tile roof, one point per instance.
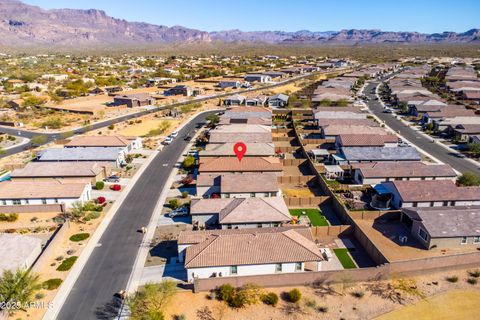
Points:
(347, 122)
(242, 128)
(233, 137)
(252, 247)
(58, 169)
(98, 141)
(40, 189)
(243, 210)
(226, 150)
(249, 164)
(357, 140)
(434, 190)
(249, 182)
(412, 169)
(335, 130)
(194, 237)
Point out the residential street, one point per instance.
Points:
(419, 140)
(109, 267)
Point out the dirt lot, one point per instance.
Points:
(341, 301)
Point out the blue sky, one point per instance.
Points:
(291, 15)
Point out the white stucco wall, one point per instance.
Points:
(243, 270)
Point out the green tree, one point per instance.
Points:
(148, 303)
(188, 162)
(474, 148)
(18, 287)
(469, 179)
(39, 140)
(213, 118)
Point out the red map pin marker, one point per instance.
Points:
(240, 149)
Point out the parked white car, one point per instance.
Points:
(167, 141)
(174, 134)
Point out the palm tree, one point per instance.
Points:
(18, 287)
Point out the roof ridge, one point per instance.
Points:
(290, 235)
(214, 237)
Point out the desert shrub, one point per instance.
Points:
(39, 295)
(67, 264)
(311, 303)
(79, 237)
(225, 292)
(472, 280)
(99, 185)
(184, 194)
(111, 127)
(8, 217)
(358, 294)
(474, 273)
(180, 317)
(92, 215)
(294, 295)
(323, 309)
(270, 298)
(174, 204)
(250, 293)
(238, 301)
(452, 279)
(52, 284)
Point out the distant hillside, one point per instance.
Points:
(23, 25)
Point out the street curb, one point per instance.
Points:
(142, 254)
(67, 285)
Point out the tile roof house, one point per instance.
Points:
(247, 112)
(217, 136)
(256, 252)
(431, 193)
(444, 227)
(67, 171)
(377, 172)
(332, 131)
(234, 100)
(234, 213)
(349, 155)
(248, 164)
(226, 150)
(113, 155)
(240, 185)
(366, 140)
(278, 101)
(14, 193)
(134, 100)
(128, 143)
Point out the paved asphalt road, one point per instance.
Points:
(108, 268)
(419, 140)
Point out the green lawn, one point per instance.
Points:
(345, 259)
(315, 216)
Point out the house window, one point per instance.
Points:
(464, 240)
(476, 239)
(56, 200)
(452, 203)
(4, 202)
(233, 270)
(298, 266)
(229, 226)
(44, 201)
(278, 267)
(16, 202)
(26, 201)
(415, 204)
(259, 225)
(432, 203)
(252, 194)
(423, 234)
(445, 203)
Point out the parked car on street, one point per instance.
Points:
(167, 141)
(387, 111)
(112, 178)
(174, 134)
(180, 212)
